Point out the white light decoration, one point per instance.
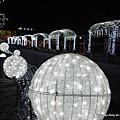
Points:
(109, 29)
(69, 86)
(2, 55)
(16, 52)
(4, 46)
(15, 65)
(68, 34)
(89, 43)
(36, 36)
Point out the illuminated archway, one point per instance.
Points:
(66, 33)
(35, 41)
(28, 39)
(109, 29)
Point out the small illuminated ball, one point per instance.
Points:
(16, 52)
(4, 46)
(69, 86)
(15, 65)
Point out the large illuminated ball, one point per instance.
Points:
(15, 65)
(70, 86)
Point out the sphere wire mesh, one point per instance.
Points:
(70, 87)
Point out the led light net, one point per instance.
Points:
(69, 87)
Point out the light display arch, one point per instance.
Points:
(11, 40)
(68, 34)
(109, 29)
(45, 38)
(28, 40)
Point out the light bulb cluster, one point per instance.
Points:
(69, 87)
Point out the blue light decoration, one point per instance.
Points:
(108, 29)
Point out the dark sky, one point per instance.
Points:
(49, 15)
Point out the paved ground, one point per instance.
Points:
(112, 71)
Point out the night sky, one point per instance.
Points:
(49, 15)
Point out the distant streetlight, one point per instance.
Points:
(20, 28)
(80, 37)
(25, 28)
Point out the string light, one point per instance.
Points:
(25, 109)
(74, 88)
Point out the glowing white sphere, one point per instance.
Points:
(15, 66)
(70, 87)
(16, 52)
(4, 46)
